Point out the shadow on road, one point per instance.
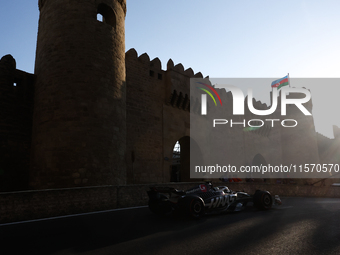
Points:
(299, 226)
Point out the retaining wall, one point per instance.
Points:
(28, 205)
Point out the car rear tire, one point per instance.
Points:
(263, 200)
(193, 207)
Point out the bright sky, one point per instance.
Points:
(220, 38)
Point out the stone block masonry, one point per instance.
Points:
(79, 121)
(105, 117)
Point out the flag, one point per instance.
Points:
(280, 82)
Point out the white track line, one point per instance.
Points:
(72, 215)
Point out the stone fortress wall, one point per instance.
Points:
(93, 115)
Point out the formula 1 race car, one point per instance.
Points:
(206, 199)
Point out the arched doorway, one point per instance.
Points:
(258, 160)
(176, 163)
(180, 166)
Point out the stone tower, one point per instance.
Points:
(79, 119)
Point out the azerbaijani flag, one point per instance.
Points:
(280, 82)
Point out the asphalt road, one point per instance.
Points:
(299, 226)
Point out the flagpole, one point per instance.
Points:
(271, 97)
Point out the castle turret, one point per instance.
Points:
(16, 106)
(79, 121)
(299, 144)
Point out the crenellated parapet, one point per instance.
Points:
(258, 104)
(175, 80)
(178, 82)
(176, 86)
(180, 69)
(146, 67)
